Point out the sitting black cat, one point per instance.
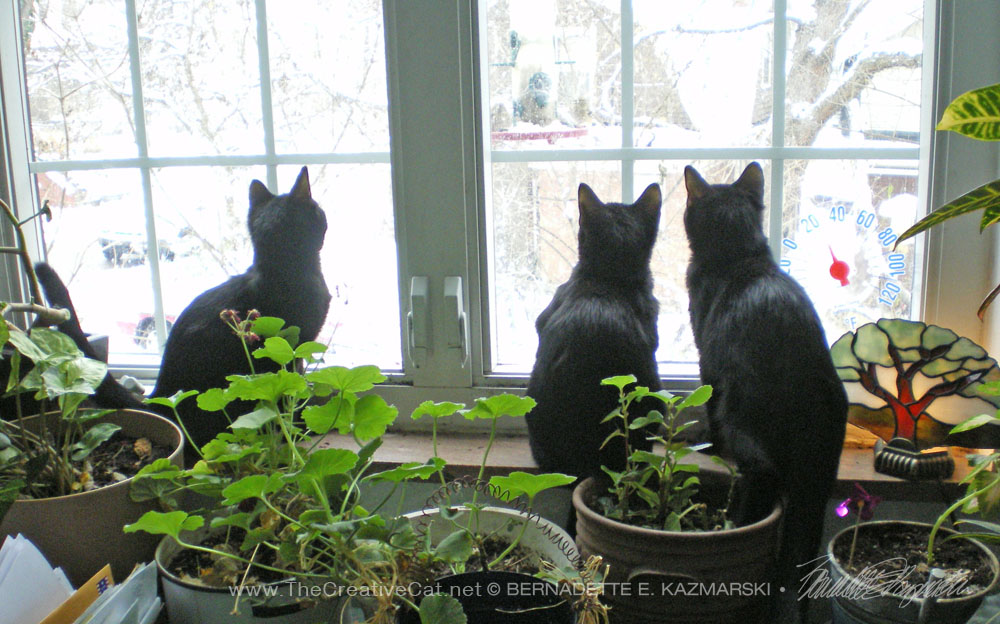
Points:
(778, 408)
(600, 323)
(285, 280)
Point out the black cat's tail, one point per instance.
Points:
(110, 393)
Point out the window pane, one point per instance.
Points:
(200, 78)
(328, 84)
(76, 64)
(535, 217)
(359, 262)
(854, 73)
(840, 223)
(677, 50)
(554, 74)
(201, 229)
(96, 242)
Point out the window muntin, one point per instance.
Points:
(229, 94)
(649, 90)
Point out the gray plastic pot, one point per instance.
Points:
(672, 576)
(81, 533)
(193, 603)
(853, 603)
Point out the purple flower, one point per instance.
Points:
(860, 502)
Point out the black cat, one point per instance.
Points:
(285, 280)
(109, 393)
(600, 323)
(778, 408)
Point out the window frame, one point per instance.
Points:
(441, 162)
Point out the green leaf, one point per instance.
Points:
(267, 326)
(212, 400)
(619, 381)
(255, 419)
(646, 457)
(173, 400)
(338, 411)
(699, 397)
(518, 483)
(276, 349)
(358, 379)
(265, 386)
(171, 523)
(239, 519)
(9, 492)
(307, 350)
(327, 462)
(500, 405)
(372, 415)
(653, 417)
(985, 197)
(972, 423)
(436, 410)
(254, 486)
(456, 548)
(974, 114)
(441, 609)
(93, 438)
(410, 470)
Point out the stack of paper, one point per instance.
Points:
(32, 592)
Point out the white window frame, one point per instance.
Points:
(441, 164)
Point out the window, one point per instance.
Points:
(617, 95)
(446, 141)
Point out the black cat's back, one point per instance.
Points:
(600, 323)
(778, 407)
(285, 281)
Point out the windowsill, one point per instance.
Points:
(463, 452)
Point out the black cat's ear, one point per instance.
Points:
(587, 199)
(301, 189)
(259, 193)
(696, 185)
(752, 180)
(649, 202)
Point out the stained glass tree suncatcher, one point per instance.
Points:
(895, 371)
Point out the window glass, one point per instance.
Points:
(622, 100)
(201, 80)
(77, 72)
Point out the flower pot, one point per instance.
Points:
(504, 597)
(82, 532)
(856, 600)
(542, 537)
(672, 576)
(276, 603)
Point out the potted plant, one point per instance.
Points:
(65, 473)
(661, 525)
(470, 547)
(264, 505)
(903, 571)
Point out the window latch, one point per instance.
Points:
(457, 320)
(417, 328)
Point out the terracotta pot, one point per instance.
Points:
(671, 576)
(853, 602)
(191, 603)
(81, 533)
